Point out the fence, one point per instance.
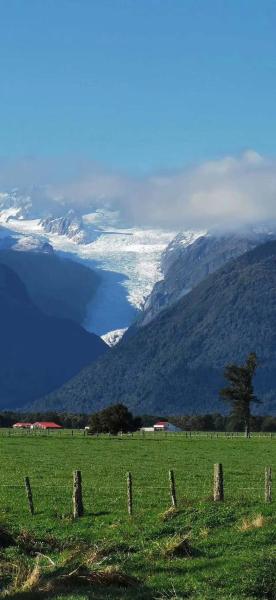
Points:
(49, 459)
(81, 433)
(217, 493)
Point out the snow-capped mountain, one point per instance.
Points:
(142, 270)
(14, 205)
(189, 259)
(128, 258)
(69, 225)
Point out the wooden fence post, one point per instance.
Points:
(29, 494)
(77, 495)
(218, 483)
(268, 484)
(172, 488)
(129, 493)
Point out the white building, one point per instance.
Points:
(161, 426)
(165, 426)
(147, 429)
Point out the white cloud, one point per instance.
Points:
(226, 192)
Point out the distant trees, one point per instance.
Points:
(240, 391)
(207, 422)
(67, 420)
(114, 419)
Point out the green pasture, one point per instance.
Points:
(232, 545)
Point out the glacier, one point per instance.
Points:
(127, 258)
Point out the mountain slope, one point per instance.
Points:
(58, 286)
(37, 352)
(126, 257)
(185, 265)
(175, 363)
(70, 225)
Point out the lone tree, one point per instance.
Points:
(240, 392)
(113, 419)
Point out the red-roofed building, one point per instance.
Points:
(22, 425)
(46, 425)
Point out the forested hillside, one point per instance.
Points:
(58, 286)
(37, 352)
(185, 265)
(174, 365)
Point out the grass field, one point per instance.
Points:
(203, 550)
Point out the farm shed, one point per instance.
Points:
(22, 425)
(46, 425)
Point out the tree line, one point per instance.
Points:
(239, 393)
(101, 423)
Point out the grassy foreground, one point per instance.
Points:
(203, 550)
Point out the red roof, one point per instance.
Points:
(161, 423)
(22, 425)
(47, 425)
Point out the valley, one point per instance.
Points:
(137, 300)
(127, 259)
(178, 296)
(175, 363)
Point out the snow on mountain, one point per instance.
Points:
(176, 246)
(128, 258)
(14, 205)
(189, 259)
(70, 225)
(140, 268)
(31, 243)
(113, 337)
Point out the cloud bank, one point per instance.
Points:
(226, 193)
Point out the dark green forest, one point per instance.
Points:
(38, 352)
(175, 364)
(58, 286)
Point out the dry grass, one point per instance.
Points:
(255, 523)
(83, 577)
(204, 532)
(54, 581)
(178, 546)
(20, 574)
(169, 514)
(32, 580)
(32, 545)
(78, 566)
(28, 542)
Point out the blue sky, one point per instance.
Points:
(137, 84)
